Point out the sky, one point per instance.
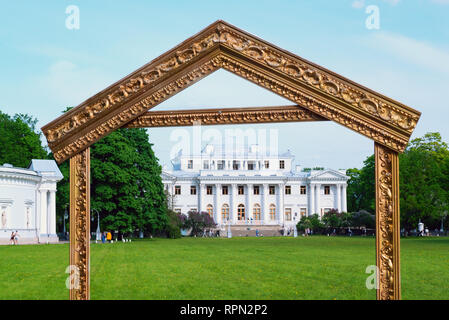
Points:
(46, 66)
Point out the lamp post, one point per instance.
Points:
(295, 231)
(66, 216)
(98, 233)
(442, 221)
(229, 229)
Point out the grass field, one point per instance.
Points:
(237, 268)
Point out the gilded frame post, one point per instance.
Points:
(80, 226)
(387, 223)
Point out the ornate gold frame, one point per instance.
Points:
(318, 94)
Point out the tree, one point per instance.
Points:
(19, 140)
(198, 222)
(424, 181)
(173, 226)
(361, 187)
(332, 219)
(363, 218)
(312, 222)
(126, 187)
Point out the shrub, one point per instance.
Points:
(198, 222)
(173, 226)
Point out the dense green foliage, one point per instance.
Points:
(174, 224)
(198, 222)
(239, 268)
(424, 183)
(336, 221)
(361, 187)
(126, 187)
(19, 140)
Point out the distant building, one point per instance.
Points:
(28, 202)
(251, 188)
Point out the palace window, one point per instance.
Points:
(302, 212)
(210, 210)
(281, 164)
(224, 190)
(256, 190)
(302, 190)
(272, 212)
(205, 165)
(288, 190)
(241, 212)
(250, 165)
(177, 189)
(224, 212)
(267, 164)
(256, 212)
(241, 189)
(327, 190)
(235, 165)
(209, 190)
(220, 164)
(193, 190)
(288, 214)
(272, 190)
(190, 164)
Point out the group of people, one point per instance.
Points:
(106, 236)
(14, 238)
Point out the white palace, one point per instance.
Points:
(249, 188)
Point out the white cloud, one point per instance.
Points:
(358, 4)
(67, 84)
(392, 2)
(440, 1)
(411, 50)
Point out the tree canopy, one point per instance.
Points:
(126, 187)
(424, 183)
(19, 140)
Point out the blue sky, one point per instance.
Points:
(45, 67)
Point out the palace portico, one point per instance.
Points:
(252, 188)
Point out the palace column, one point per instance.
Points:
(344, 205)
(233, 209)
(52, 213)
(201, 205)
(311, 200)
(317, 199)
(265, 204)
(217, 204)
(249, 202)
(339, 206)
(280, 204)
(43, 213)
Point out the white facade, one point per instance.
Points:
(252, 188)
(28, 202)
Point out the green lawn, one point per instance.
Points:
(237, 268)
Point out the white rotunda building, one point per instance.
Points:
(28, 202)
